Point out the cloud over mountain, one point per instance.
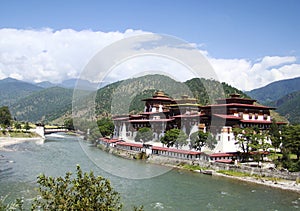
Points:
(48, 55)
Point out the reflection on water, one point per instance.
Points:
(174, 190)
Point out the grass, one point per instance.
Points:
(18, 134)
(234, 173)
(190, 167)
(243, 174)
(274, 156)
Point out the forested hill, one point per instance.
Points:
(11, 90)
(289, 107)
(45, 105)
(276, 90)
(125, 96)
(121, 97)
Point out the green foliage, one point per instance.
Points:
(275, 135)
(234, 173)
(200, 139)
(251, 139)
(207, 90)
(268, 94)
(5, 116)
(16, 205)
(94, 134)
(27, 126)
(68, 123)
(106, 126)
(18, 125)
(174, 137)
(12, 90)
(85, 192)
(289, 107)
(291, 139)
(144, 134)
(45, 105)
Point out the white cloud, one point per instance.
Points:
(247, 75)
(37, 55)
(45, 54)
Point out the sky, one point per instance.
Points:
(249, 43)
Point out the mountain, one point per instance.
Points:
(276, 90)
(121, 97)
(125, 96)
(46, 84)
(78, 84)
(45, 105)
(289, 107)
(11, 90)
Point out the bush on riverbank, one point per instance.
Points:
(18, 134)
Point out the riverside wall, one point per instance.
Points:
(171, 161)
(263, 172)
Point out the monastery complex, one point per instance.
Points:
(162, 113)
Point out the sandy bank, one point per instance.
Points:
(282, 184)
(8, 141)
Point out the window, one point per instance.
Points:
(250, 115)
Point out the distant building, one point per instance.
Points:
(162, 113)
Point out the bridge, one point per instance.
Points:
(42, 131)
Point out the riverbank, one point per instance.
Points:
(289, 185)
(280, 183)
(8, 141)
(283, 184)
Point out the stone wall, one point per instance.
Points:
(252, 170)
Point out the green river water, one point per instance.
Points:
(156, 187)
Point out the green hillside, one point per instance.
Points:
(275, 90)
(11, 90)
(121, 97)
(45, 105)
(125, 97)
(289, 107)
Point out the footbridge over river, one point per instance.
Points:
(42, 131)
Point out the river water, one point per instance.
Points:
(173, 190)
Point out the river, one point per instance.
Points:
(172, 190)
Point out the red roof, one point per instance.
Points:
(188, 115)
(130, 144)
(222, 154)
(120, 118)
(239, 105)
(224, 161)
(159, 98)
(176, 150)
(257, 121)
(227, 116)
(150, 120)
(109, 140)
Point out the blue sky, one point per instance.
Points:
(230, 30)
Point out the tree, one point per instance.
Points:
(181, 139)
(94, 134)
(246, 138)
(5, 116)
(200, 139)
(106, 126)
(68, 123)
(18, 125)
(27, 126)
(174, 137)
(85, 192)
(291, 139)
(144, 134)
(275, 135)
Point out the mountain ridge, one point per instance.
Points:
(267, 94)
